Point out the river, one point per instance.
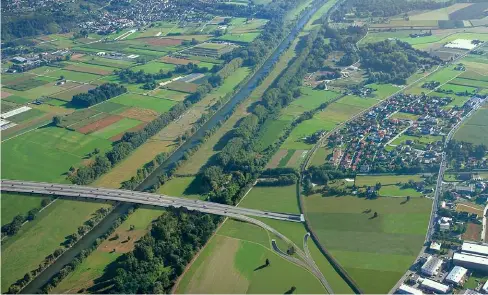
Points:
(86, 241)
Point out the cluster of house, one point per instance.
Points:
(359, 144)
(442, 274)
(32, 61)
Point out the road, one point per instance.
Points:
(85, 192)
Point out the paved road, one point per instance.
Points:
(85, 192)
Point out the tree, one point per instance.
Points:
(267, 263)
(377, 187)
(57, 120)
(61, 77)
(408, 198)
(375, 215)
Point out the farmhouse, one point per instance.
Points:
(457, 275)
(432, 266)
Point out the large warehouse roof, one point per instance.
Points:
(475, 248)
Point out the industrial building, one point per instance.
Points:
(406, 289)
(484, 289)
(432, 266)
(434, 286)
(473, 248)
(471, 262)
(457, 275)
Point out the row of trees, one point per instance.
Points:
(101, 93)
(14, 226)
(384, 8)
(139, 77)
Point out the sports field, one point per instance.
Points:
(375, 252)
(475, 129)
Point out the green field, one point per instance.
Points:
(26, 250)
(116, 128)
(241, 38)
(382, 91)
(276, 199)
(154, 67)
(442, 76)
(71, 75)
(470, 82)
(159, 105)
(14, 204)
(169, 94)
(181, 187)
(405, 116)
(366, 180)
(115, 63)
(26, 116)
(295, 139)
(228, 263)
(475, 130)
(458, 88)
(109, 107)
(53, 147)
(308, 100)
(420, 140)
(375, 252)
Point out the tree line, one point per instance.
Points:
(100, 93)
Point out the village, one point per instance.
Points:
(401, 135)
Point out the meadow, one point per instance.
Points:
(53, 147)
(116, 128)
(229, 261)
(14, 204)
(159, 105)
(154, 67)
(47, 232)
(375, 252)
(475, 129)
(181, 187)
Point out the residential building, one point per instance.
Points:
(432, 266)
(457, 275)
(435, 246)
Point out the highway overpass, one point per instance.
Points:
(119, 195)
